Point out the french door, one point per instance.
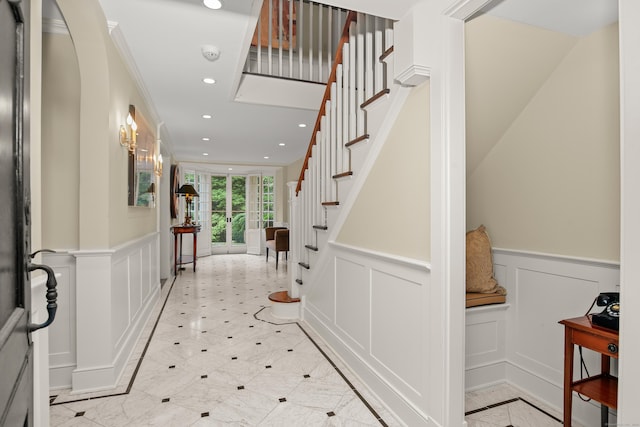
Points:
(228, 214)
(16, 348)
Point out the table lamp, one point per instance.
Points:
(189, 193)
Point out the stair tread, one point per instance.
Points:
(358, 139)
(283, 297)
(385, 54)
(336, 203)
(299, 281)
(304, 265)
(311, 247)
(343, 175)
(320, 227)
(375, 97)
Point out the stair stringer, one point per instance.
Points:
(338, 217)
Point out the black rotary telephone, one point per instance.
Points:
(610, 316)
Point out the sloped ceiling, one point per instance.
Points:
(512, 47)
(506, 63)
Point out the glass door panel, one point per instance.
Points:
(253, 227)
(202, 212)
(238, 208)
(228, 213)
(218, 211)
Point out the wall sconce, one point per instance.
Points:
(189, 193)
(157, 168)
(128, 131)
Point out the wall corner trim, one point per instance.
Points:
(414, 75)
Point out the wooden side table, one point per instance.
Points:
(602, 387)
(178, 260)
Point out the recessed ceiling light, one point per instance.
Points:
(213, 4)
(230, 169)
(206, 139)
(205, 154)
(282, 144)
(206, 116)
(266, 157)
(302, 125)
(209, 80)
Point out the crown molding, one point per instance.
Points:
(129, 61)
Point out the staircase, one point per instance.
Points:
(352, 110)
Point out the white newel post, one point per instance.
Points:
(294, 230)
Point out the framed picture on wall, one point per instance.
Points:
(173, 188)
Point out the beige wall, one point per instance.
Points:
(391, 213)
(87, 90)
(60, 142)
(551, 182)
(126, 222)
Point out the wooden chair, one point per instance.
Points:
(278, 241)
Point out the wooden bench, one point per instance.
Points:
(475, 299)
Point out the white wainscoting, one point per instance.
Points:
(542, 290)
(370, 308)
(485, 345)
(62, 332)
(105, 298)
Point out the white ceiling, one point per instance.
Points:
(574, 17)
(165, 37)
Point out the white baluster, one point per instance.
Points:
(280, 40)
(312, 6)
(360, 75)
(352, 82)
(269, 43)
(259, 34)
(368, 57)
(291, 3)
(329, 40)
(339, 115)
(320, 37)
(345, 105)
(332, 141)
(388, 34)
(318, 177)
(379, 66)
(300, 36)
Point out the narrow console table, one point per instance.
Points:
(602, 387)
(178, 258)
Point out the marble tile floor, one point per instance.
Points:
(507, 406)
(212, 355)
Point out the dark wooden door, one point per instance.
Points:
(16, 367)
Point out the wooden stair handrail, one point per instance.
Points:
(351, 17)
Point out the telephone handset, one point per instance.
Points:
(610, 316)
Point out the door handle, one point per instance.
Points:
(33, 255)
(52, 295)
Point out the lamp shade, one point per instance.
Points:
(187, 189)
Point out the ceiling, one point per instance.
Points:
(165, 38)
